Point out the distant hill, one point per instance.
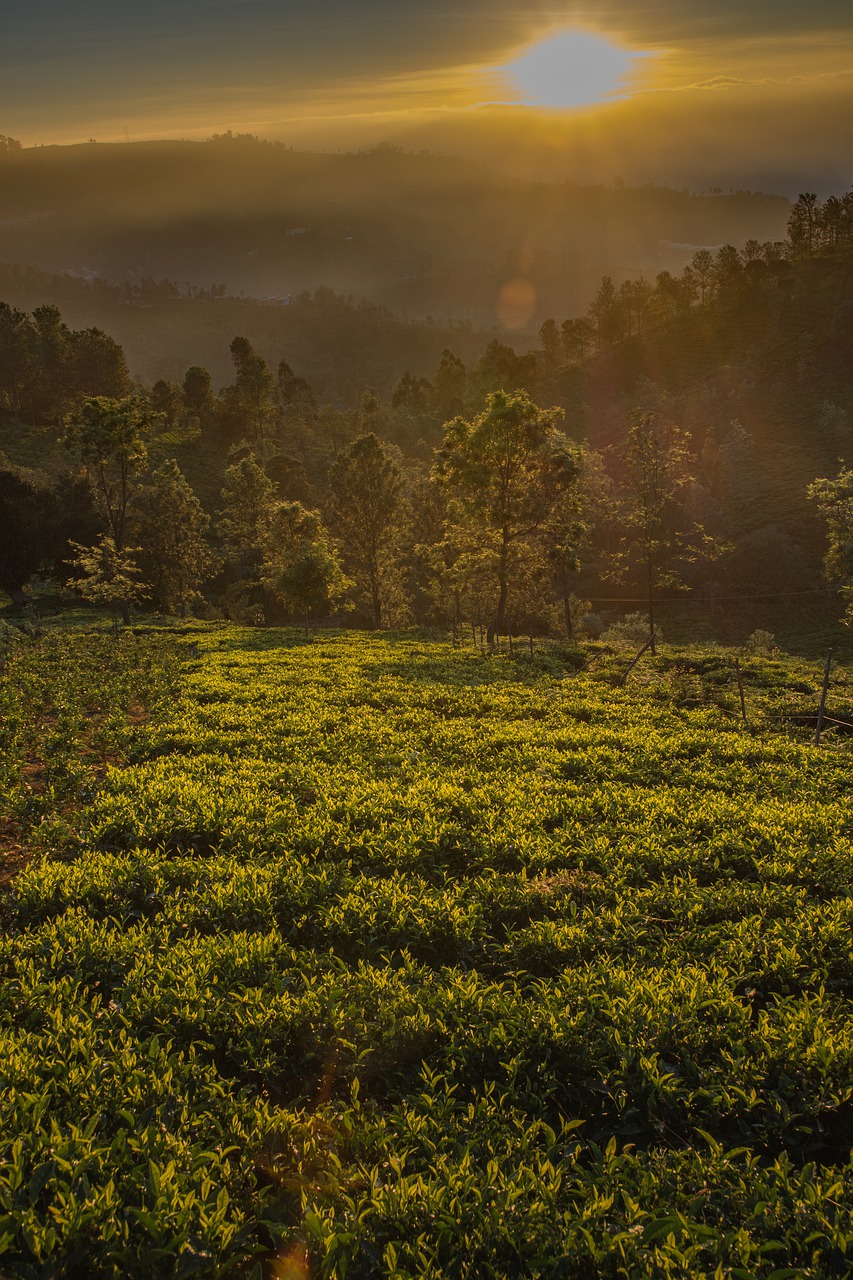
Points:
(423, 234)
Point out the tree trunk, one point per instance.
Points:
(376, 600)
(497, 627)
(567, 606)
(651, 606)
(125, 613)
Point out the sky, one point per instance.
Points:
(755, 93)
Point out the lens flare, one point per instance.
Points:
(516, 303)
(571, 69)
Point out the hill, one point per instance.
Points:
(422, 234)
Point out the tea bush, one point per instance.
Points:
(370, 957)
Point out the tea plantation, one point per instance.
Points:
(370, 957)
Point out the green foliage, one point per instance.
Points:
(171, 527)
(363, 510)
(111, 437)
(834, 498)
(107, 576)
(301, 566)
(763, 643)
(503, 473)
(382, 958)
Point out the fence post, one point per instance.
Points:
(740, 689)
(822, 708)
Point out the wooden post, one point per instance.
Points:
(822, 708)
(509, 640)
(649, 644)
(531, 644)
(740, 689)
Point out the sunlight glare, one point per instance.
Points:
(571, 69)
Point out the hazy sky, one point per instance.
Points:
(730, 87)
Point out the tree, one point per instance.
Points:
(111, 438)
(301, 566)
(605, 313)
(802, 223)
(295, 394)
(363, 508)
(16, 359)
(412, 395)
(500, 472)
(252, 393)
(500, 368)
(702, 265)
(728, 272)
(566, 531)
(549, 336)
(53, 347)
(248, 506)
(656, 462)
(98, 366)
(834, 500)
(577, 336)
(248, 501)
(198, 399)
(167, 401)
(171, 528)
(450, 382)
(108, 576)
(25, 501)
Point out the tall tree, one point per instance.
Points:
(112, 439)
(834, 498)
(549, 336)
(53, 347)
(605, 313)
(25, 501)
(702, 265)
(98, 366)
(500, 472)
(17, 341)
(363, 509)
(301, 566)
(248, 505)
(198, 402)
(450, 382)
(253, 390)
(171, 528)
(657, 468)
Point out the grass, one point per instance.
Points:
(371, 957)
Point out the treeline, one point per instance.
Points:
(46, 368)
(500, 528)
(492, 530)
(259, 501)
(726, 276)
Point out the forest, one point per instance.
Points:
(679, 448)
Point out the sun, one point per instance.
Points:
(571, 69)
